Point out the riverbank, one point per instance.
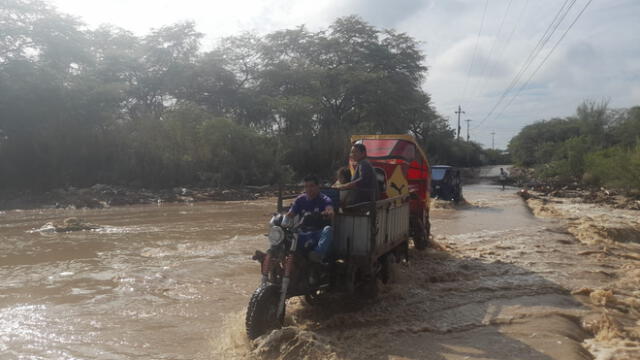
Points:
(550, 189)
(101, 196)
(104, 196)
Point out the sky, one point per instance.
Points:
(474, 48)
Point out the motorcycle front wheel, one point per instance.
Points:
(262, 312)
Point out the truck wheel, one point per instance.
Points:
(458, 196)
(369, 289)
(420, 242)
(351, 279)
(367, 282)
(427, 228)
(420, 236)
(313, 298)
(263, 311)
(388, 263)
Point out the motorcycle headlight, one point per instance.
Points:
(276, 235)
(276, 220)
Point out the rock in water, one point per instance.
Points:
(74, 224)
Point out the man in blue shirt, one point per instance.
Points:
(316, 210)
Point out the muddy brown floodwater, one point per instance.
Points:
(172, 282)
(153, 283)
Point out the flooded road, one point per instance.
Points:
(153, 282)
(172, 282)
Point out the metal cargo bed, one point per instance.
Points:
(372, 229)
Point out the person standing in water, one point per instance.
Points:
(503, 177)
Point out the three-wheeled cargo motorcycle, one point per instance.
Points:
(368, 238)
(446, 183)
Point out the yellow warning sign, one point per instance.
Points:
(397, 184)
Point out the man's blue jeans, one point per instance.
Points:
(318, 241)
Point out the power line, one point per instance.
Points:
(475, 49)
(493, 43)
(544, 60)
(492, 70)
(551, 28)
(532, 55)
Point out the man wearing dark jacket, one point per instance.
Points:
(364, 178)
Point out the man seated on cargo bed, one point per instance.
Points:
(364, 181)
(316, 210)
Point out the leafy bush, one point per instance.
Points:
(597, 146)
(616, 167)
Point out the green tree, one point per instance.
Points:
(81, 106)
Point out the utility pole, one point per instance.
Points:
(492, 140)
(468, 121)
(459, 112)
